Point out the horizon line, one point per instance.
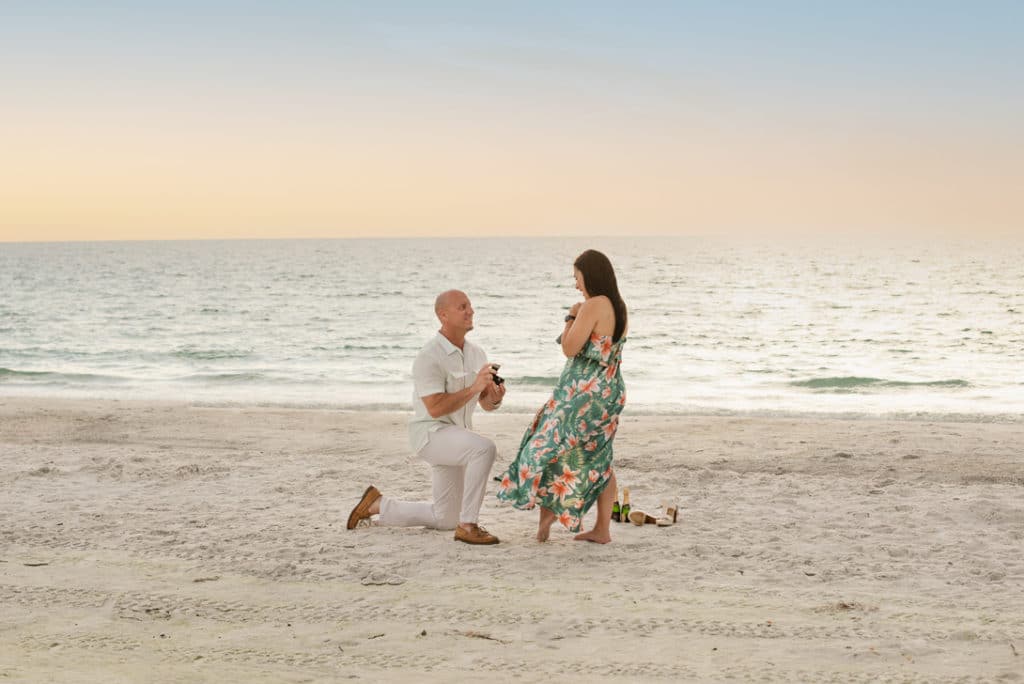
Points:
(601, 236)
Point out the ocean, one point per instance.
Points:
(916, 331)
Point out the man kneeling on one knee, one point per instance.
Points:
(451, 376)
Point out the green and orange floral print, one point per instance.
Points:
(565, 457)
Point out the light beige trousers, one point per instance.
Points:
(460, 462)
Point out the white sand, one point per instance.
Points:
(161, 542)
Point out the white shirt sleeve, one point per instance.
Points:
(428, 375)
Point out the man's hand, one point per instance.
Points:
(491, 398)
(443, 403)
(484, 379)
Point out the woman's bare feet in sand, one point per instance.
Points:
(547, 517)
(595, 535)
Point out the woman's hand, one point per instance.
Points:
(574, 310)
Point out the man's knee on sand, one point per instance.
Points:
(447, 521)
(446, 517)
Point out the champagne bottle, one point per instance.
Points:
(615, 511)
(624, 509)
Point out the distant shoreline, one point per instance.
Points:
(60, 401)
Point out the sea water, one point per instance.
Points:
(911, 330)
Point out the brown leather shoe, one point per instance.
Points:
(477, 535)
(362, 509)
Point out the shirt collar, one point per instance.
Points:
(446, 345)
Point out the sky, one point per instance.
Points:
(312, 119)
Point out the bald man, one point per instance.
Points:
(451, 376)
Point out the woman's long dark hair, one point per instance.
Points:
(599, 279)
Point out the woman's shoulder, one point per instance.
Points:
(598, 303)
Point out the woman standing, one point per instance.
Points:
(565, 459)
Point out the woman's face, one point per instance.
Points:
(579, 282)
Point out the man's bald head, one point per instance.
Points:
(446, 300)
(455, 313)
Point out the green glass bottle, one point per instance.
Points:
(624, 509)
(615, 511)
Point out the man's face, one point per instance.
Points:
(458, 313)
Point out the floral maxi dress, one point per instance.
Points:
(565, 458)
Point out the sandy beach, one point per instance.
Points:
(167, 542)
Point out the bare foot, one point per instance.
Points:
(547, 517)
(594, 536)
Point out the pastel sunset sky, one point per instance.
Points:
(215, 119)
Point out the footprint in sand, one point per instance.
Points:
(380, 577)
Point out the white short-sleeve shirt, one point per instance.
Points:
(442, 367)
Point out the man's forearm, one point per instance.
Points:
(446, 403)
